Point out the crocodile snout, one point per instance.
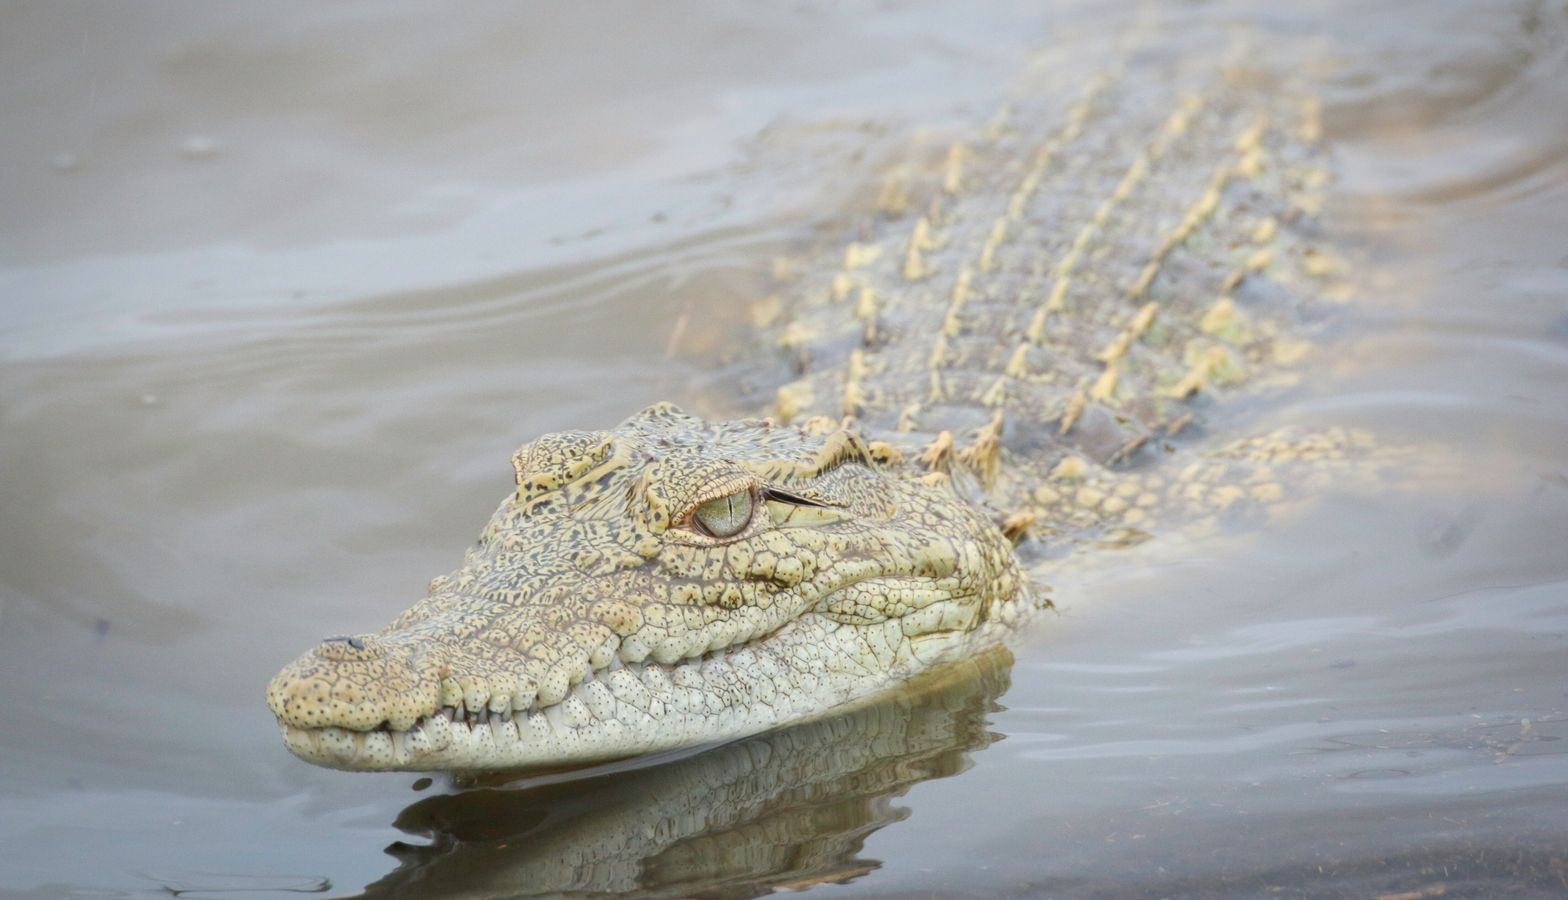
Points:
(358, 683)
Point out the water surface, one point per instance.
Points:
(281, 288)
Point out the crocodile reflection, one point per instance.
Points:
(779, 810)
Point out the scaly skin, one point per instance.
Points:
(1017, 339)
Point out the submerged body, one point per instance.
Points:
(994, 370)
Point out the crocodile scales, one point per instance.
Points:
(1002, 366)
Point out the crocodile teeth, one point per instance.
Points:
(476, 701)
(556, 717)
(451, 692)
(439, 728)
(398, 723)
(524, 694)
(419, 741)
(537, 725)
(502, 731)
(501, 705)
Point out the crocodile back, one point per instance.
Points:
(1132, 237)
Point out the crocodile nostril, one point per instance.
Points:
(353, 642)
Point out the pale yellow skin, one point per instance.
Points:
(1017, 341)
(595, 619)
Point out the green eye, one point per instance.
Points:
(725, 516)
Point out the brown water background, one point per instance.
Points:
(282, 286)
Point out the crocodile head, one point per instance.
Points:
(666, 584)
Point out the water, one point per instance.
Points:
(283, 288)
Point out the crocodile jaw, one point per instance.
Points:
(808, 668)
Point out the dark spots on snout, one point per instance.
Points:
(350, 648)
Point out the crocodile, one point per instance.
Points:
(1016, 356)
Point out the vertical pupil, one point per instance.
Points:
(726, 516)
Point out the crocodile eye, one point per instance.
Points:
(725, 516)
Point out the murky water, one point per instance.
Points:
(282, 288)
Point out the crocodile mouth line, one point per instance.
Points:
(607, 710)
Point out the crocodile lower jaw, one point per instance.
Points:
(624, 711)
(810, 666)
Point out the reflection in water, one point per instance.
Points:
(786, 809)
(1515, 867)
